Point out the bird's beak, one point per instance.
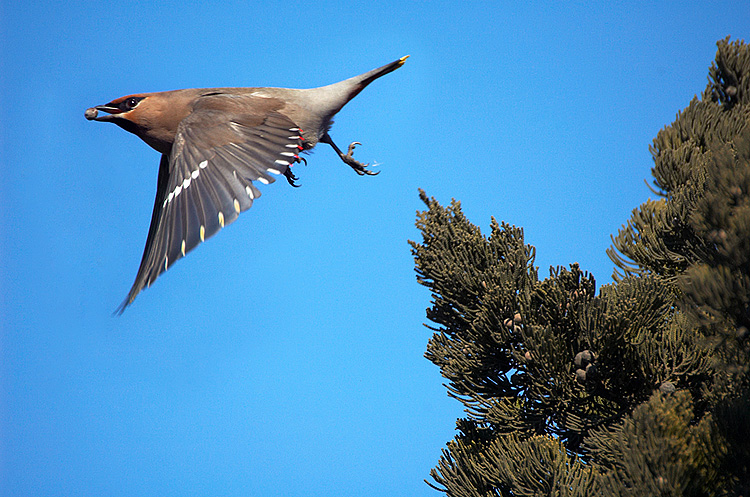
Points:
(92, 114)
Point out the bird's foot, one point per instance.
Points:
(358, 167)
(289, 175)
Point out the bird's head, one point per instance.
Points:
(131, 113)
(153, 117)
(120, 109)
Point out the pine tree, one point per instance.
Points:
(640, 389)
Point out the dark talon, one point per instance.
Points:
(290, 177)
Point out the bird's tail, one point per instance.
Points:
(365, 79)
(338, 94)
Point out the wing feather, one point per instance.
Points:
(220, 150)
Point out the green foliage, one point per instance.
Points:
(658, 450)
(512, 465)
(641, 389)
(698, 233)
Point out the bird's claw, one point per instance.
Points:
(291, 178)
(351, 148)
(358, 167)
(289, 175)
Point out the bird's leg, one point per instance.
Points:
(358, 167)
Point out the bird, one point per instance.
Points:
(216, 144)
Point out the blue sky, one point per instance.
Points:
(284, 356)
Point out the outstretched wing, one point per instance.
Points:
(226, 144)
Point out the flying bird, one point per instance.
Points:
(215, 144)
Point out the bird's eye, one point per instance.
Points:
(130, 103)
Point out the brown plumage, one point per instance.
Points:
(215, 143)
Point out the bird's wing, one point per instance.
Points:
(220, 149)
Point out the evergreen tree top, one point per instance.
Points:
(641, 388)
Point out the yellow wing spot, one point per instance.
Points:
(236, 206)
(221, 219)
(182, 249)
(203, 233)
